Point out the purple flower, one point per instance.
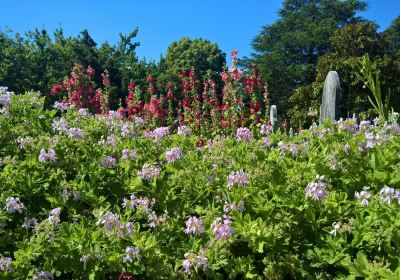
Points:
(5, 264)
(149, 172)
(128, 130)
(222, 227)
(291, 148)
(44, 275)
(173, 155)
(54, 216)
(28, 223)
(63, 106)
(61, 125)
(83, 112)
(5, 100)
(49, 156)
(363, 196)
(364, 125)
(155, 221)
(348, 125)
(239, 178)
(142, 202)
(191, 260)
(13, 205)
(139, 120)
(267, 141)
(244, 134)
(317, 190)
(266, 129)
(128, 154)
(130, 252)
(229, 207)
(129, 228)
(74, 132)
(110, 221)
(387, 194)
(108, 162)
(184, 130)
(194, 226)
(159, 133)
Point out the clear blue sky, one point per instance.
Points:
(231, 24)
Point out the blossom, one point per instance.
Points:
(363, 196)
(128, 154)
(128, 130)
(130, 252)
(74, 132)
(336, 226)
(109, 141)
(387, 194)
(184, 130)
(348, 125)
(28, 223)
(110, 221)
(194, 226)
(244, 134)
(266, 129)
(364, 125)
(90, 71)
(221, 227)
(24, 142)
(83, 112)
(191, 260)
(234, 53)
(108, 162)
(44, 275)
(148, 172)
(13, 205)
(317, 190)
(229, 207)
(267, 141)
(160, 132)
(173, 155)
(5, 264)
(155, 221)
(129, 228)
(55, 89)
(5, 100)
(61, 125)
(49, 156)
(83, 260)
(63, 106)
(142, 202)
(239, 178)
(54, 216)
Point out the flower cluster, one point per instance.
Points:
(5, 264)
(229, 207)
(222, 228)
(25, 142)
(142, 202)
(130, 252)
(54, 216)
(317, 190)
(173, 155)
(128, 130)
(108, 162)
(128, 154)
(148, 172)
(49, 156)
(363, 196)
(266, 129)
(155, 220)
(191, 260)
(43, 275)
(348, 125)
(239, 178)
(184, 130)
(244, 134)
(194, 226)
(388, 194)
(110, 221)
(61, 125)
(14, 205)
(291, 148)
(5, 100)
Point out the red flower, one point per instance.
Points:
(234, 53)
(126, 276)
(131, 86)
(225, 76)
(149, 79)
(90, 71)
(55, 89)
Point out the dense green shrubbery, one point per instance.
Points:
(66, 181)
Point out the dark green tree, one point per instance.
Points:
(392, 36)
(287, 51)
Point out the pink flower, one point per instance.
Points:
(90, 71)
(234, 53)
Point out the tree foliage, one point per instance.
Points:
(287, 51)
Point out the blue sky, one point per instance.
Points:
(231, 24)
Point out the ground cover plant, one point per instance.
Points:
(86, 196)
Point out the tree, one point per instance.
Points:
(349, 45)
(201, 55)
(392, 36)
(287, 51)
